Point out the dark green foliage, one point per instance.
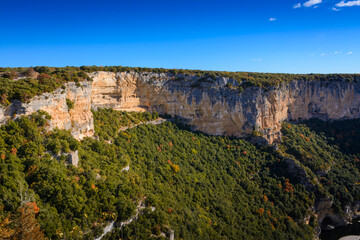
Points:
(202, 187)
(344, 134)
(337, 171)
(70, 104)
(224, 189)
(26, 87)
(107, 121)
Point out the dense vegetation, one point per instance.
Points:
(25, 83)
(337, 171)
(199, 186)
(107, 122)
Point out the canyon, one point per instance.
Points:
(214, 106)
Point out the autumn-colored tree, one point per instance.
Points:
(13, 151)
(26, 225)
(43, 76)
(175, 168)
(260, 211)
(6, 232)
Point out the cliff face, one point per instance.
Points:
(212, 107)
(78, 120)
(208, 105)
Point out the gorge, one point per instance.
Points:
(213, 106)
(296, 180)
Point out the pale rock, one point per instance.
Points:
(73, 158)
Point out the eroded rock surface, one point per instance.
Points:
(78, 120)
(210, 106)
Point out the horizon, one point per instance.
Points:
(296, 37)
(185, 69)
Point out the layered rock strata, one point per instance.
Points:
(79, 119)
(215, 106)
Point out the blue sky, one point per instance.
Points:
(315, 36)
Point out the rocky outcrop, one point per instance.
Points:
(329, 218)
(73, 158)
(211, 106)
(78, 120)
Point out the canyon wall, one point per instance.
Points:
(216, 107)
(213, 106)
(78, 120)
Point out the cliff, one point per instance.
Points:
(211, 106)
(78, 120)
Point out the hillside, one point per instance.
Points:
(196, 185)
(206, 155)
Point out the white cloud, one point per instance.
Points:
(348, 3)
(297, 5)
(311, 3)
(323, 54)
(272, 19)
(335, 9)
(349, 53)
(256, 60)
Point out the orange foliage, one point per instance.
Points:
(93, 186)
(194, 138)
(31, 170)
(170, 210)
(265, 198)
(76, 179)
(287, 186)
(33, 206)
(260, 211)
(244, 152)
(272, 226)
(175, 168)
(3, 156)
(14, 151)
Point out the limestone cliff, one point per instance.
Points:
(209, 105)
(78, 120)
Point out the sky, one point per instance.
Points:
(291, 36)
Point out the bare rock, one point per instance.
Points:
(73, 158)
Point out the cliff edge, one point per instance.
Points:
(211, 105)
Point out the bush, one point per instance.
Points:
(70, 104)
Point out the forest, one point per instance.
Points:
(196, 185)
